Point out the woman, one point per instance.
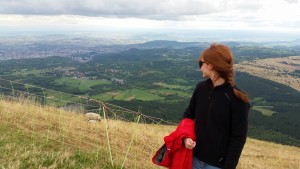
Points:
(220, 111)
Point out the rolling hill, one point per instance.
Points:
(284, 70)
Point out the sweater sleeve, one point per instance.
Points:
(190, 110)
(239, 127)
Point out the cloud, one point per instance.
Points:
(150, 9)
(153, 13)
(292, 1)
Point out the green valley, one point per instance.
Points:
(160, 81)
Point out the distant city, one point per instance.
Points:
(17, 44)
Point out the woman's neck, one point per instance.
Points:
(217, 80)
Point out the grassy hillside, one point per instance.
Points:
(284, 70)
(33, 136)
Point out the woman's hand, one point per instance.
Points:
(189, 143)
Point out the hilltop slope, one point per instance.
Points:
(33, 136)
(284, 70)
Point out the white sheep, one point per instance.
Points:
(92, 116)
(92, 121)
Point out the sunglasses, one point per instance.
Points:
(201, 63)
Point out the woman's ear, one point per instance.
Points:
(210, 66)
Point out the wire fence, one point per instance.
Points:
(121, 137)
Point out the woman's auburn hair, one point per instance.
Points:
(221, 58)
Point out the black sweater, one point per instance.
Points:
(221, 123)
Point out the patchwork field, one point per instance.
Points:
(128, 95)
(81, 84)
(265, 110)
(285, 70)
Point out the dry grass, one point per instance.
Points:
(52, 138)
(267, 155)
(276, 69)
(71, 130)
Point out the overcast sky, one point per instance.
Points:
(282, 15)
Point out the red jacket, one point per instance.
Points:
(173, 153)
